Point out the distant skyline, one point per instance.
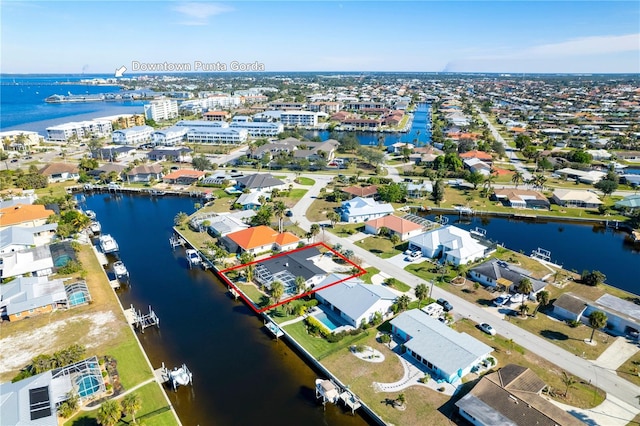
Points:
(422, 36)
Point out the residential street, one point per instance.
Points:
(588, 370)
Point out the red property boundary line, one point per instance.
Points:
(282, 302)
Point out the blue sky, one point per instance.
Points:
(432, 36)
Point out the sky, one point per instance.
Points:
(425, 36)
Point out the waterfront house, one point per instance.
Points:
(397, 147)
(183, 177)
(354, 301)
(34, 401)
(17, 238)
(589, 177)
(60, 172)
(259, 181)
(175, 154)
(447, 354)
(107, 169)
(452, 244)
(36, 261)
(358, 210)
(478, 155)
(477, 165)
(132, 136)
(145, 173)
(29, 296)
(287, 267)
(403, 228)
(623, 316)
(259, 239)
(224, 224)
(31, 215)
(575, 198)
(512, 396)
(521, 198)
(251, 200)
(498, 273)
(569, 307)
(631, 202)
(419, 190)
(361, 191)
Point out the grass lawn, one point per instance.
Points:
(294, 196)
(400, 286)
(629, 369)
(257, 297)
(347, 229)
(319, 347)
(371, 271)
(423, 406)
(198, 239)
(583, 395)
(424, 270)
(305, 181)
(57, 189)
(318, 210)
(132, 367)
(154, 410)
(380, 246)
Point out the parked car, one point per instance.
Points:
(414, 255)
(500, 300)
(487, 329)
(446, 305)
(518, 298)
(289, 213)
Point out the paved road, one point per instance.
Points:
(605, 379)
(511, 153)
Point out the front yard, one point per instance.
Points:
(381, 246)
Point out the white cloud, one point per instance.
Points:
(198, 13)
(594, 45)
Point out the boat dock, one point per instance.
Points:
(141, 321)
(177, 241)
(102, 258)
(329, 391)
(274, 329)
(115, 284)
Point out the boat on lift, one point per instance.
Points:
(90, 214)
(120, 270)
(95, 227)
(193, 257)
(108, 244)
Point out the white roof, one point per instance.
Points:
(456, 241)
(26, 261)
(359, 206)
(26, 293)
(576, 195)
(439, 344)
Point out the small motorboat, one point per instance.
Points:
(179, 376)
(193, 257)
(120, 270)
(90, 214)
(95, 227)
(108, 244)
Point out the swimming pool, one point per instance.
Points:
(62, 260)
(323, 318)
(88, 384)
(77, 298)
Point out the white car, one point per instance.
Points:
(487, 329)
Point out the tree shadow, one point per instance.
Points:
(389, 401)
(553, 335)
(485, 302)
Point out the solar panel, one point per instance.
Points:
(39, 403)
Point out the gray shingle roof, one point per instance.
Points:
(353, 297)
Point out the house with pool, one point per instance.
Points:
(352, 302)
(25, 297)
(35, 400)
(446, 353)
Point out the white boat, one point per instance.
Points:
(120, 270)
(478, 232)
(193, 257)
(95, 227)
(179, 376)
(90, 214)
(108, 244)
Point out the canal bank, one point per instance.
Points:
(240, 374)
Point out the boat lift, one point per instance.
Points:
(141, 321)
(179, 376)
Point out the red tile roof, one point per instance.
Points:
(259, 236)
(21, 213)
(394, 223)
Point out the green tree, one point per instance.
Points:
(109, 413)
(522, 141)
(543, 299)
(279, 209)
(314, 230)
(180, 218)
(607, 186)
(525, 286)
(475, 178)
(393, 192)
(333, 217)
(422, 292)
(597, 320)
(395, 239)
(401, 399)
(517, 178)
(438, 191)
(593, 278)
(580, 156)
(277, 290)
(300, 284)
(402, 303)
(524, 308)
(131, 404)
(201, 163)
(263, 216)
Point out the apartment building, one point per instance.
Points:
(170, 136)
(79, 130)
(299, 118)
(133, 136)
(216, 135)
(258, 129)
(161, 109)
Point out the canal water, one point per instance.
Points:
(241, 376)
(419, 133)
(577, 247)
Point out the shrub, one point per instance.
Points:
(316, 328)
(71, 267)
(426, 378)
(573, 323)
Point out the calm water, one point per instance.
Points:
(576, 247)
(421, 123)
(241, 375)
(22, 102)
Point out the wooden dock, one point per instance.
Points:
(102, 258)
(274, 329)
(161, 375)
(141, 321)
(350, 400)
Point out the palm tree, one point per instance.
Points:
(109, 413)
(539, 180)
(131, 404)
(333, 217)
(180, 218)
(517, 178)
(277, 290)
(597, 319)
(525, 286)
(569, 381)
(279, 209)
(300, 284)
(402, 303)
(524, 308)
(314, 230)
(421, 292)
(543, 298)
(401, 399)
